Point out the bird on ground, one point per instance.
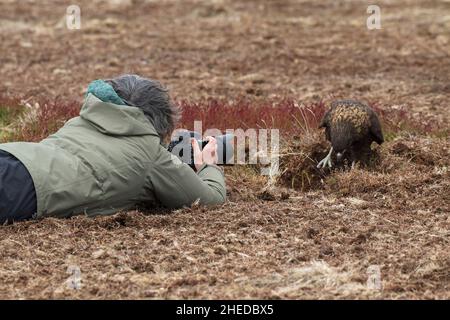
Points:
(351, 127)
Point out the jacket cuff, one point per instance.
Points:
(205, 166)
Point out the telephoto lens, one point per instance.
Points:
(181, 146)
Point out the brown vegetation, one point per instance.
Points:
(316, 233)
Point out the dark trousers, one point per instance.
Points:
(17, 193)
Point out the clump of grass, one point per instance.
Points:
(421, 150)
(302, 152)
(417, 160)
(21, 120)
(298, 161)
(39, 120)
(10, 110)
(242, 181)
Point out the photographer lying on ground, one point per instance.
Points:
(108, 159)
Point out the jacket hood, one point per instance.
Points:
(114, 119)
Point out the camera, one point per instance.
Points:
(181, 146)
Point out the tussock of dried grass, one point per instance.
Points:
(405, 156)
(406, 164)
(316, 275)
(422, 150)
(39, 120)
(299, 158)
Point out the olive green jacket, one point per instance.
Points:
(110, 159)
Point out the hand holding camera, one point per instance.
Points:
(188, 146)
(208, 155)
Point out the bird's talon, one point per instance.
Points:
(326, 161)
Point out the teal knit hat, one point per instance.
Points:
(104, 91)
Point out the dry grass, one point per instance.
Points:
(317, 275)
(275, 242)
(299, 158)
(268, 241)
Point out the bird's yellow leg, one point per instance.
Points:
(326, 161)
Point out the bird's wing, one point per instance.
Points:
(375, 128)
(325, 123)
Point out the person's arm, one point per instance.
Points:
(175, 184)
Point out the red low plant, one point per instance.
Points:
(292, 118)
(286, 115)
(39, 120)
(35, 121)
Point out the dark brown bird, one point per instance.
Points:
(351, 127)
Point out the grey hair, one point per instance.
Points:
(150, 96)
